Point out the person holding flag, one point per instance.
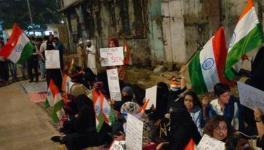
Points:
(18, 48)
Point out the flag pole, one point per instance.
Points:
(188, 61)
(29, 11)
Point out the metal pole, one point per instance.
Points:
(29, 11)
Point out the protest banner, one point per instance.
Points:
(151, 95)
(134, 133)
(208, 143)
(113, 83)
(112, 56)
(250, 96)
(52, 59)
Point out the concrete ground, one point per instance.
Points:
(23, 124)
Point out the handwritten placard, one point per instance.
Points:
(52, 59)
(112, 56)
(208, 143)
(151, 95)
(250, 96)
(113, 83)
(118, 145)
(134, 133)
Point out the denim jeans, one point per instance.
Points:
(42, 68)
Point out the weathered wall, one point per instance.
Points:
(157, 31)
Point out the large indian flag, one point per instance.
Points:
(18, 48)
(206, 68)
(247, 36)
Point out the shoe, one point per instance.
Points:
(56, 139)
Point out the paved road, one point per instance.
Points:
(23, 124)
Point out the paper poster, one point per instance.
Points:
(151, 95)
(118, 145)
(113, 83)
(134, 133)
(112, 56)
(52, 59)
(208, 143)
(250, 96)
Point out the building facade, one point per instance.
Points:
(157, 31)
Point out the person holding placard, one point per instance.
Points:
(53, 73)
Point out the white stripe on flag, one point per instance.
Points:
(244, 26)
(16, 52)
(208, 66)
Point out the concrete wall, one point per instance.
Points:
(157, 31)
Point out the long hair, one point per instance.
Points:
(213, 123)
(196, 101)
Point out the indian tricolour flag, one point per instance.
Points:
(18, 48)
(52, 90)
(57, 111)
(103, 110)
(247, 36)
(55, 101)
(206, 68)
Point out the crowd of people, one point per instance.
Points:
(180, 114)
(34, 68)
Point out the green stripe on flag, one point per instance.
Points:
(46, 104)
(112, 116)
(253, 40)
(100, 119)
(57, 107)
(196, 76)
(26, 53)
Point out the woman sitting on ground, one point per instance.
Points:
(217, 128)
(193, 105)
(182, 129)
(84, 131)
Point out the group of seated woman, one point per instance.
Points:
(179, 116)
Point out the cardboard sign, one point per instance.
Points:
(208, 143)
(52, 59)
(250, 96)
(112, 56)
(151, 95)
(134, 133)
(118, 145)
(113, 83)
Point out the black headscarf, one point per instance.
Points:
(182, 128)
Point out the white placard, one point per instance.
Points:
(118, 145)
(134, 133)
(113, 83)
(250, 96)
(52, 59)
(151, 95)
(208, 143)
(112, 56)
